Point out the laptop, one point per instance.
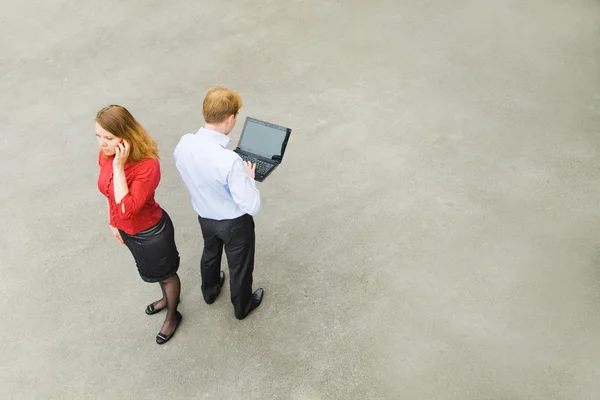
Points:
(263, 144)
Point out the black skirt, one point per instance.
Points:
(154, 250)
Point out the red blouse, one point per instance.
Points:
(137, 211)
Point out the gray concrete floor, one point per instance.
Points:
(432, 233)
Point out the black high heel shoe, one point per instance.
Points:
(161, 338)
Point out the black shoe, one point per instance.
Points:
(255, 301)
(257, 297)
(151, 310)
(221, 282)
(161, 338)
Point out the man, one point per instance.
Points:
(225, 198)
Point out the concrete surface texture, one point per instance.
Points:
(432, 233)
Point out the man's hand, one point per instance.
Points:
(249, 167)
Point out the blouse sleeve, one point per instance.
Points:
(141, 188)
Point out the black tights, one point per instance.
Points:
(171, 287)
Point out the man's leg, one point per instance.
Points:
(210, 263)
(239, 249)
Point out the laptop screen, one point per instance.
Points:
(262, 138)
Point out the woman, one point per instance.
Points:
(129, 175)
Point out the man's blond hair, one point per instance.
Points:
(219, 104)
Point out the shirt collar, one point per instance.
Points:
(218, 137)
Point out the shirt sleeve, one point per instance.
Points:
(141, 188)
(243, 189)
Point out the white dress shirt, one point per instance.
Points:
(215, 176)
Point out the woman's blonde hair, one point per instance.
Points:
(120, 123)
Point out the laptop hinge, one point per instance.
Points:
(246, 153)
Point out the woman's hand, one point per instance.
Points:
(119, 179)
(116, 234)
(121, 155)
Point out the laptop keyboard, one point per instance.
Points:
(262, 167)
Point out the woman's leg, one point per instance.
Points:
(158, 305)
(171, 289)
(134, 248)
